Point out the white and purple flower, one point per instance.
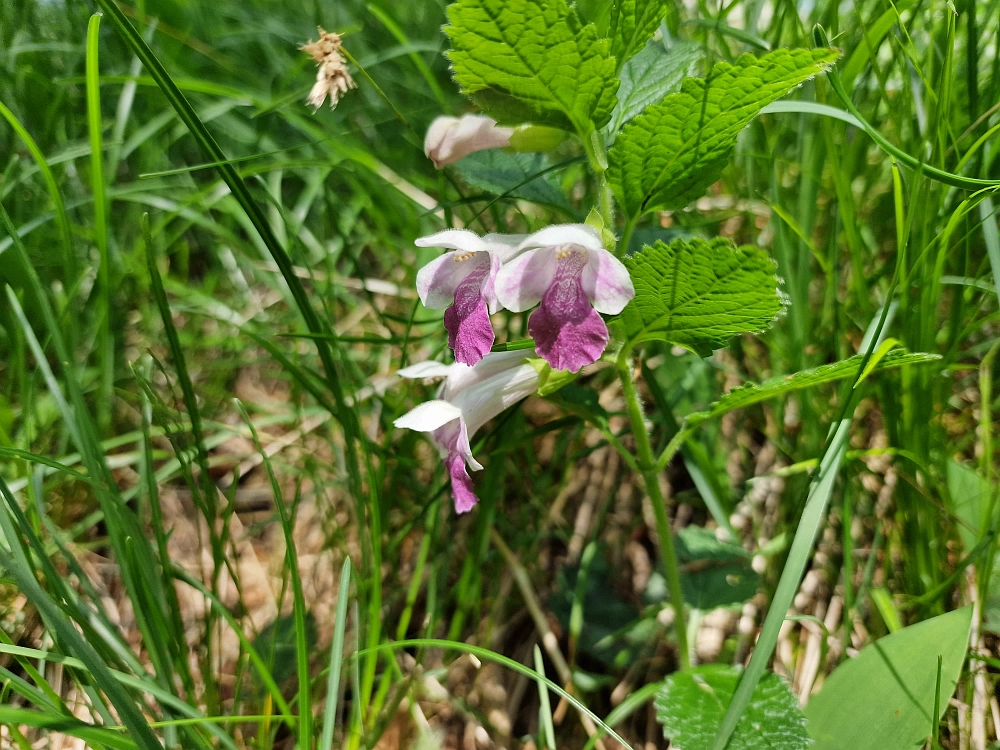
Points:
(565, 268)
(462, 281)
(450, 139)
(468, 399)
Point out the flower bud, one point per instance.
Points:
(450, 139)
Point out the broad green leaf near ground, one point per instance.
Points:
(669, 155)
(691, 704)
(532, 61)
(633, 22)
(649, 76)
(698, 293)
(883, 698)
(713, 573)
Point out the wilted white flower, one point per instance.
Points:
(332, 78)
(469, 398)
(450, 139)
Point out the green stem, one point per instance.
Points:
(648, 469)
(627, 234)
(593, 144)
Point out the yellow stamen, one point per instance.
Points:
(462, 256)
(564, 251)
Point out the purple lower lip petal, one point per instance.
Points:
(569, 334)
(461, 483)
(470, 333)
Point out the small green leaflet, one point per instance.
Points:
(691, 704)
(650, 76)
(753, 393)
(672, 152)
(700, 293)
(532, 61)
(633, 22)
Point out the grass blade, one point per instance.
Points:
(62, 221)
(16, 565)
(298, 600)
(547, 730)
(105, 341)
(67, 725)
(336, 659)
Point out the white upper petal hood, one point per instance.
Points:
(582, 235)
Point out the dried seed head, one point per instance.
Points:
(332, 78)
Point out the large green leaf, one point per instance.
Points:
(632, 24)
(698, 293)
(671, 153)
(512, 174)
(884, 697)
(532, 61)
(691, 704)
(650, 76)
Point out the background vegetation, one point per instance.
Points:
(197, 541)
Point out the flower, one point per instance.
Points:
(468, 399)
(462, 281)
(567, 269)
(450, 139)
(332, 78)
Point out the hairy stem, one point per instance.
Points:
(648, 469)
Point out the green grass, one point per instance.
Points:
(177, 223)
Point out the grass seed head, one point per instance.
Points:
(332, 78)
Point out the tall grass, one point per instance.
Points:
(175, 218)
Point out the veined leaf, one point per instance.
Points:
(633, 22)
(532, 61)
(671, 153)
(698, 294)
(650, 76)
(517, 175)
(691, 704)
(753, 393)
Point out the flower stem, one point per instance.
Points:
(627, 235)
(593, 144)
(648, 469)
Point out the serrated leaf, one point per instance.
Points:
(650, 76)
(691, 704)
(633, 22)
(532, 61)
(698, 293)
(883, 698)
(517, 175)
(670, 154)
(752, 393)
